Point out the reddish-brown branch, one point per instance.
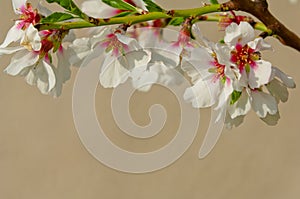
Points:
(259, 9)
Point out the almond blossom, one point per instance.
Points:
(233, 78)
(122, 54)
(27, 16)
(164, 63)
(33, 60)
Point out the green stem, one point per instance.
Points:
(217, 18)
(130, 20)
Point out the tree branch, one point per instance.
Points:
(259, 9)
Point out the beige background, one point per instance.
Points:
(41, 156)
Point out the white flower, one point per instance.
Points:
(27, 61)
(27, 15)
(40, 74)
(121, 54)
(33, 60)
(163, 65)
(212, 80)
(246, 56)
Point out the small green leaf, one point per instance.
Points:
(214, 1)
(68, 5)
(119, 4)
(177, 21)
(152, 7)
(235, 96)
(57, 17)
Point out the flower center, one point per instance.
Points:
(28, 16)
(244, 57)
(112, 43)
(219, 71)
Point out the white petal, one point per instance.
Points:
(263, 103)
(232, 34)
(242, 81)
(242, 33)
(51, 76)
(247, 32)
(98, 9)
(169, 58)
(14, 34)
(260, 74)
(10, 50)
(20, 61)
(144, 80)
(62, 73)
(241, 107)
(31, 39)
(80, 49)
(223, 53)
(200, 36)
(128, 41)
(200, 60)
(287, 80)
(259, 44)
(116, 70)
(43, 10)
(203, 94)
(140, 4)
(17, 4)
(113, 76)
(166, 76)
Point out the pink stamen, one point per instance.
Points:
(243, 56)
(28, 16)
(112, 43)
(233, 18)
(219, 71)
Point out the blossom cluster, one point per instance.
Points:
(231, 76)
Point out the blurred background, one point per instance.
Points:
(41, 155)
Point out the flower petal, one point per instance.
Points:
(241, 107)
(203, 94)
(242, 33)
(31, 39)
(18, 4)
(98, 9)
(10, 50)
(263, 103)
(116, 70)
(260, 74)
(143, 79)
(14, 34)
(113, 75)
(51, 76)
(287, 80)
(259, 44)
(20, 61)
(62, 73)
